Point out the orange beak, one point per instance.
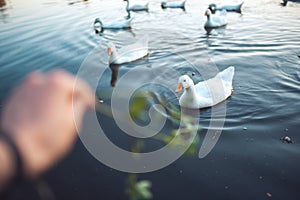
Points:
(179, 87)
(205, 14)
(109, 51)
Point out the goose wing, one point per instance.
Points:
(140, 45)
(133, 51)
(119, 24)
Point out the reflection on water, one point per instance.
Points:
(215, 31)
(114, 74)
(263, 45)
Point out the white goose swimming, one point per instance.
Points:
(234, 8)
(215, 20)
(128, 53)
(137, 7)
(99, 26)
(206, 93)
(173, 4)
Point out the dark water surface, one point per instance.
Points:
(262, 43)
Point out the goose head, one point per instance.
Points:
(127, 3)
(184, 82)
(284, 3)
(163, 4)
(111, 48)
(212, 7)
(98, 26)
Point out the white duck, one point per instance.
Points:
(215, 20)
(207, 93)
(137, 7)
(173, 4)
(124, 24)
(128, 53)
(235, 8)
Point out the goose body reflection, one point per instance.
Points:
(114, 74)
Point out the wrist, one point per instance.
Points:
(11, 161)
(7, 167)
(20, 144)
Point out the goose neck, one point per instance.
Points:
(127, 6)
(113, 56)
(191, 90)
(208, 17)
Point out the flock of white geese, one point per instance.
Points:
(201, 95)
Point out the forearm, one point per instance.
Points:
(7, 166)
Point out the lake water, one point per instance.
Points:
(249, 160)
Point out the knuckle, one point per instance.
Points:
(55, 77)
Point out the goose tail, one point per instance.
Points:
(183, 4)
(130, 19)
(240, 7)
(128, 24)
(227, 74)
(223, 12)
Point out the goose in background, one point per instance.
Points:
(173, 4)
(137, 7)
(128, 53)
(230, 8)
(99, 26)
(215, 20)
(206, 93)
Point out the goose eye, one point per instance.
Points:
(184, 80)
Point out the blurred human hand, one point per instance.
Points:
(42, 116)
